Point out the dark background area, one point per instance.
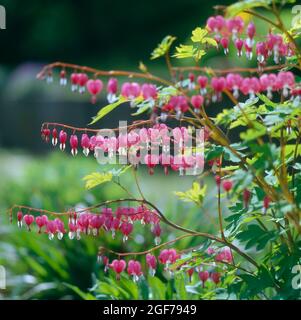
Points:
(103, 34)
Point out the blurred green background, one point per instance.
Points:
(108, 35)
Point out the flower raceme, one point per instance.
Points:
(166, 257)
(225, 29)
(121, 220)
(150, 146)
(89, 223)
(209, 89)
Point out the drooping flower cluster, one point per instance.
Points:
(121, 220)
(150, 146)
(80, 82)
(203, 90)
(212, 89)
(167, 258)
(243, 37)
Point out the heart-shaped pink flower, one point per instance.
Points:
(94, 86)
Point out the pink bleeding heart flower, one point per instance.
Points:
(118, 266)
(131, 90)
(74, 81)
(149, 91)
(60, 228)
(233, 82)
(247, 197)
(215, 277)
(239, 43)
(157, 232)
(225, 255)
(286, 82)
(266, 203)
(216, 24)
(225, 44)
(204, 276)
(248, 49)
(168, 256)
(179, 105)
(250, 86)
(165, 161)
(63, 139)
(63, 79)
(126, 229)
(54, 137)
(41, 221)
(28, 219)
(218, 84)
(151, 160)
(85, 144)
(202, 81)
(96, 222)
(112, 88)
(235, 25)
(197, 101)
(268, 83)
(251, 31)
(134, 269)
(45, 133)
(261, 51)
(73, 144)
(227, 185)
(94, 87)
(151, 262)
(19, 218)
(51, 229)
(190, 273)
(82, 81)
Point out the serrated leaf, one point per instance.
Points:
(255, 236)
(163, 47)
(185, 51)
(209, 41)
(96, 178)
(198, 34)
(196, 194)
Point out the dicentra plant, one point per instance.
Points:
(254, 254)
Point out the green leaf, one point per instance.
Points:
(83, 295)
(256, 236)
(180, 287)
(96, 178)
(266, 100)
(214, 152)
(157, 287)
(185, 51)
(119, 172)
(107, 109)
(253, 133)
(196, 194)
(163, 47)
(198, 34)
(240, 6)
(143, 107)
